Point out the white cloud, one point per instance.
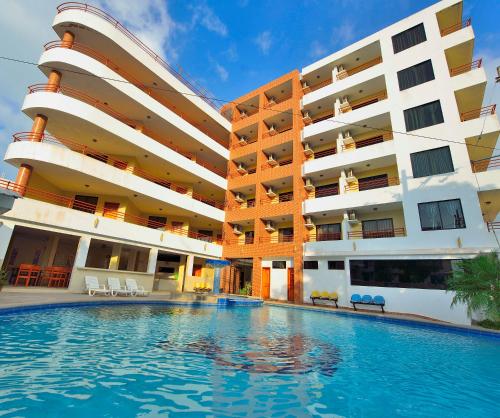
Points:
(205, 16)
(343, 33)
(264, 41)
(231, 53)
(317, 50)
(221, 72)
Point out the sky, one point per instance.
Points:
(228, 46)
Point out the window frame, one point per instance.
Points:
(401, 34)
(278, 264)
(333, 264)
(440, 215)
(428, 152)
(404, 71)
(313, 266)
(408, 120)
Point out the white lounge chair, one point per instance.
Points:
(134, 289)
(116, 288)
(92, 286)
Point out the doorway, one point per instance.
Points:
(290, 276)
(266, 282)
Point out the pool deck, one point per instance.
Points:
(18, 298)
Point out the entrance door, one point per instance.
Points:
(266, 282)
(291, 297)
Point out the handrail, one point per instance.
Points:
(386, 233)
(466, 67)
(276, 239)
(456, 26)
(323, 116)
(280, 100)
(477, 113)
(315, 87)
(318, 236)
(359, 68)
(186, 80)
(111, 65)
(76, 94)
(237, 241)
(280, 163)
(120, 164)
(377, 139)
(493, 226)
(72, 203)
(372, 184)
(365, 101)
(235, 174)
(325, 153)
(248, 113)
(325, 192)
(278, 131)
(485, 164)
(237, 144)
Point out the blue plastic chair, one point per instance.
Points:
(356, 298)
(380, 301)
(367, 299)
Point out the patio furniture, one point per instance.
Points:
(93, 288)
(116, 288)
(57, 276)
(135, 290)
(378, 300)
(327, 296)
(29, 274)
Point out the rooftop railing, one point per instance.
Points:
(81, 206)
(478, 113)
(456, 27)
(466, 67)
(185, 79)
(120, 164)
(104, 107)
(359, 68)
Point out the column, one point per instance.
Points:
(335, 71)
(340, 142)
(336, 106)
(5, 237)
(189, 266)
(114, 261)
(54, 243)
(153, 256)
(342, 182)
(76, 283)
(68, 39)
(345, 226)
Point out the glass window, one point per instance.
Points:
(157, 222)
(445, 214)
(431, 162)
(279, 265)
(311, 265)
(327, 190)
(285, 197)
(415, 75)
(378, 228)
(409, 38)
(249, 237)
(285, 235)
(373, 182)
(336, 265)
(422, 116)
(328, 232)
(416, 274)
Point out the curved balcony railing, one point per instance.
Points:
(485, 164)
(130, 78)
(104, 107)
(72, 203)
(185, 79)
(120, 164)
(466, 67)
(478, 113)
(456, 26)
(386, 233)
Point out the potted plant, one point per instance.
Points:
(476, 282)
(3, 279)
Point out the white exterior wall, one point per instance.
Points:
(279, 278)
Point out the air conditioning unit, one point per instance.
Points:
(350, 176)
(306, 117)
(351, 217)
(270, 192)
(243, 114)
(241, 169)
(272, 130)
(239, 198)
(308, 150)
(271, 161)
(344, 104)
(309, 223)
(237, 229)
(305, 84)
(271, 100)
(243, 139)
(348, 137)
(340, 68)
(270, 226)
(309, 186)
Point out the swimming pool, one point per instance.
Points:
(150, 360)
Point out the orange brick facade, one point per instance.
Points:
(261, 246)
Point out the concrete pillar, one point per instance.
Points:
(54, 243)
(114, 261)
(80, 259)
(336, 106)
(54, 81)
(345, 226)
(131, 261)
(340, 142)
(68, 39)
(38, 127)
(5, 237)
(23, 176)
(189, 265)
(153, 255)
(342, 182)
(335, 71)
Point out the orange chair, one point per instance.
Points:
(30, 273)
(57, 276)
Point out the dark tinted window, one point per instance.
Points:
(431, 162)
(336, 265)
(311, 265)
(85, 203)
(415, 75)
(409, 38)
(418, 274)
(445, 214)
(425, 115)
(279, 264)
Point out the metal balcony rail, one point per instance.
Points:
(359, 68)
(285, 197)
(120, 164)
(271, 103)
(326, 191)
(485, 164)
(281, 163)
(456, 26)
(149, 91)
(277, 132)
(493, 226)
(466, 67)
(76, 94)
(323, 116)
(372, 184)
(72, 203)
(248, 111)
(277, 239)
(387, 233)
(185, 79)
(365, 101)
(237, 241)
(325, 153)
(368, 141)
(317, 86)
(332, 236)
(478, 113)
(234, 174)
(237, 143)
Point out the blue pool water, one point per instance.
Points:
(148, 361)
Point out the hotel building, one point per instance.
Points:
(368, 172)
